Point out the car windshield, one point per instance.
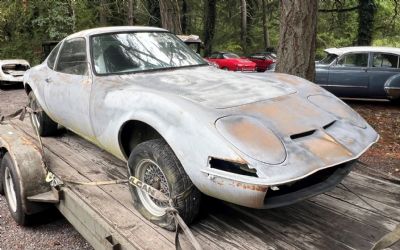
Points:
(140, 51)
(328, 59)
(230, 55)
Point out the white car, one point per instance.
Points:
(12, 71)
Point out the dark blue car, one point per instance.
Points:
(361, 72)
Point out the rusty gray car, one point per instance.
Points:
(187, 128)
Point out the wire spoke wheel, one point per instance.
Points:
(10, 190)
(150, 173)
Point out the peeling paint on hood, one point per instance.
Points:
(211, 87)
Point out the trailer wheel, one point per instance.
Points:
(154, 163)
(42, 121)
(12, 190)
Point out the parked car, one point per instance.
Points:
(366, 72)
(231, 61)
(12, 71)
(263, 60)
(187, 128)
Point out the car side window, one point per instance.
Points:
(353, 60)
(53, 56)
(214, 56)
(383, 60)
(72, 58)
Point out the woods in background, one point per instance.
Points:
(241, 26)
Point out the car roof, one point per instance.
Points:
(103, 30)
(341, 51)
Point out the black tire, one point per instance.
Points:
(225, 68)
(178, 182)
(395, 101)
(46, 126)
(9, 174)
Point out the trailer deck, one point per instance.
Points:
(353, 216)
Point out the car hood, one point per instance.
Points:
(209, 86)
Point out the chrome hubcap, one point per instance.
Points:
(10, 190)
(150, 173)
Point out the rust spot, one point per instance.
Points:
(252, 187)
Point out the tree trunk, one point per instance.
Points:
(170, 16)
(102, 13)
(131, 20)
(267, 43)
(298, 29)
(210, 10)
(366, 14)
(154, 11)
(185, 19)
(243, 30)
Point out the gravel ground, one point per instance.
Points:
(54, 232)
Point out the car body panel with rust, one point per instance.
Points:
(250, 140)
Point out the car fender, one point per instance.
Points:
(32, 78)
(187, 128)
(392, 87)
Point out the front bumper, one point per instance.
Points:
(245, 68)
(264, 197)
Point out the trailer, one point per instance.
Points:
(355, 215)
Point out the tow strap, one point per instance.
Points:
(151, 191)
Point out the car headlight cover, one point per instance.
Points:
(252, 138)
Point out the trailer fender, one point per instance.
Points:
(29, 164)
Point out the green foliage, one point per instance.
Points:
(24, 28)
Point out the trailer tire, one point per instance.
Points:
(12, 190)
(46, 126)
(154, 163)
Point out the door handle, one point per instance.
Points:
(48, 79)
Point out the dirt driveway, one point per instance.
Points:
(383, 160)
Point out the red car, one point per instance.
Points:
(264, 60)
(230, 61)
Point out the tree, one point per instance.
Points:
(297, 37)
(366, 13)
(243, 30)
(210, 10)
(266, 40)
(131, 19)
(170, 16)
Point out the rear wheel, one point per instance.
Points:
(154, 163)
(44, 124)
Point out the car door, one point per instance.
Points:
(383, 66)
(349, 76)
(67, 91)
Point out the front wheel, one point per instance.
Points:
(154, 163)
(45, 125)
